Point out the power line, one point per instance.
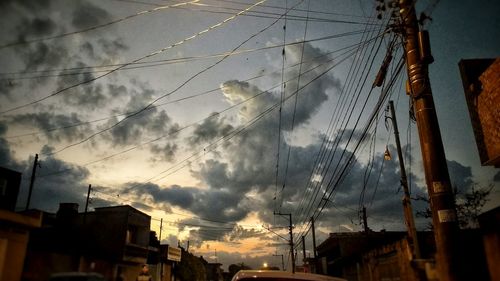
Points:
(324, 154)
(140, 59)
(295, 103)
(155, 63)
(95, 27)
(190, 125)
(171, 102)
(256, 14)
(280, 113)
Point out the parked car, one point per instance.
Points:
(270, 275)
(76, 276)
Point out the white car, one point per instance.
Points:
(271, 275)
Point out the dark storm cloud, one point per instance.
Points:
(35, 27)
(46, 122)
(164, 152)
(220, 205)
(86, 15)
(215, 174)
(31, 21)
(247, 162)
(30, 5)
(41, 55)
(210, 129)
(149, 123)
(48, 191)
(152, 123)
(6, 155)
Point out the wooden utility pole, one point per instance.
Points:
(282, 261)
(87, 204)
(290, 230)
(303, 249)
(442, 204)
(313, 237)
(161, 226)
(408, 210)
(290, 242)
(365, 221)
(32, 181)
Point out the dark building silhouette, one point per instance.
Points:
(9, 188)
(15, 228)
(111, 240)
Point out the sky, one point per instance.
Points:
(196, 114)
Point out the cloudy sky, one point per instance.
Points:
(195, 113)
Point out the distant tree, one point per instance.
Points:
(468, 204)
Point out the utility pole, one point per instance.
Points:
(303, 249)
(87, 204)
(314, 238)
(32, 181)
(408, 210)
(444, 218)
(161, 226)
(290, 231)
(365, 221)
(282, 261)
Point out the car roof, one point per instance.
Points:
(270, 274)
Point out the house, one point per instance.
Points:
(388, 256)
(490, 228)
(341, 253)
(111, 240)
(15, 228)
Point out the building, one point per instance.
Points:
(340, 254)
(14, 235)
(14, 228)
(9, 188)
(388, 256)
(490, 230)
(114, 241)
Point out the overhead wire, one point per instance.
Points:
(169, 102)
(191, 124)
(280, 113)
(154, 63)
(327, 155)
(162, 50)
(348, 161)
(321, 153)
(177, 88)
(95, 27)
(243, 129)
(256, 14)
(295, 104)
(333, 184)
(343, 130)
